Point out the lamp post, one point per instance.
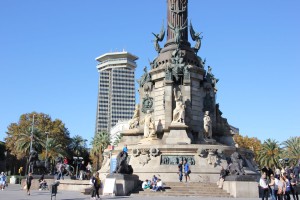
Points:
(31, 137)
(47, 133)
(5, 154)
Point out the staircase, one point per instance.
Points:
(185, 189)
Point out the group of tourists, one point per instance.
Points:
(2, 181)
(281, 184)
(184, 169)
(155, 184)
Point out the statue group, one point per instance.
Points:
(37, 166)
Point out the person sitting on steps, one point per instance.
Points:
(158, 186)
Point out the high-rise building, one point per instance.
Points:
(116, 91)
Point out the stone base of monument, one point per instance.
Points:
(242, 186)
(125, 183)
(178, 134)
(74, 185)
(162, 160)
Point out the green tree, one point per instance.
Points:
(18, 135)
(78, 145)
(99, 144)
(55, 149)
(269, 154)
(291, 150)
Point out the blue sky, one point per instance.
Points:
(48, 50)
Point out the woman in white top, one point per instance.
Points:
(264, 186)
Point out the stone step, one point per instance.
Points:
(189, 192)
(181, 194)
(186, 189)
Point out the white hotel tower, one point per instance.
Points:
(116, 93)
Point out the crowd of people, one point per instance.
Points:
(280, 185)
(155, 184)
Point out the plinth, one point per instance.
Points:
(178, 134)
(125, 183)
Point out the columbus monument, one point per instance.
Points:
(177, 117)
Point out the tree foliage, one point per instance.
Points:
(269, 154)
(246, 142)
(18, 135)
(291, 150)
(99, 144)
(78, 145)
(2, 151)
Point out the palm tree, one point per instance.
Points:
(117, 140)
(23, 141)
(291, 149)
(269, 154)
(55, 149)
(78, 145)
(99, 143)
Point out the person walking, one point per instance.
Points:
(180, 171)
(28, 183)
(187, 170)
(96, 185)
(2, 181)
(60, 174)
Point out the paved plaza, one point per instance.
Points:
(14, 192)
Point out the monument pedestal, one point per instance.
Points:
(125, 183)
(178, 134)
(243, 186)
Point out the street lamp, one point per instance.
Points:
(47, 133)
(5, 154)
(31, 137)
(77, 161)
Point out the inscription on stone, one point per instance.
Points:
(174, 160)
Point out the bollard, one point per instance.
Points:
(54, 189)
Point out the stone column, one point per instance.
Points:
(177, 17)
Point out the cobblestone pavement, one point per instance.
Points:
(14, 192)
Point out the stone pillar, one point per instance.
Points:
(177, 17)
